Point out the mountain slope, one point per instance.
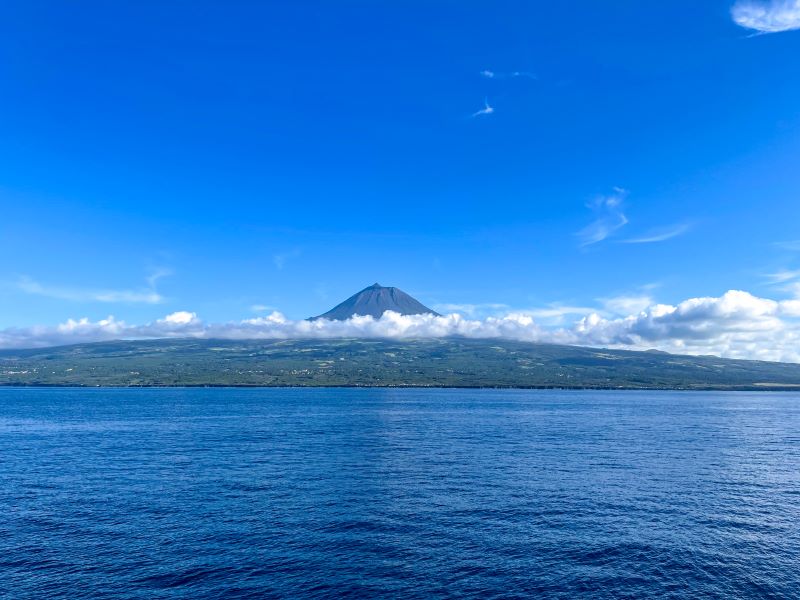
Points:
(452, 362)
(374, 301)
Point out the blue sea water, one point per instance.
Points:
(387, 493)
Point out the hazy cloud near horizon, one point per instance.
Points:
(734, 325)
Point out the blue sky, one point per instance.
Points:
(233, 158)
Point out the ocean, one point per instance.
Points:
(398, 493)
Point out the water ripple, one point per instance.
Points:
(340, 493)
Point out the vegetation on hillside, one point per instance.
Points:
(430, 362)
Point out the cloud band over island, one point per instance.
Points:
(734, 325)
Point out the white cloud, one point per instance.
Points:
(486, 110)
(494, 75)
(793, 245)
(790, 308)
(143, 296)
(70, 332)
(736, 324)
(608, 218)
(659, 235)
(772, 16)
(181, 317)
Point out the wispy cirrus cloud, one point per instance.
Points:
(609, 218)
(281, 258)
(147, 295)
(486, 110)
(782, 276)
(510, 75)
(792, 246)
(659, 235)
(156, 274)
(767, 16)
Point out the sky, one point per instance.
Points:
(620, 173)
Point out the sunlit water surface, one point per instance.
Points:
(233, 493)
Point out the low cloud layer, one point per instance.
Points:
(736, 325)
(762, 16)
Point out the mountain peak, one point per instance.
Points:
(375, 300)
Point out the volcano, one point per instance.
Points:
(374, 301)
